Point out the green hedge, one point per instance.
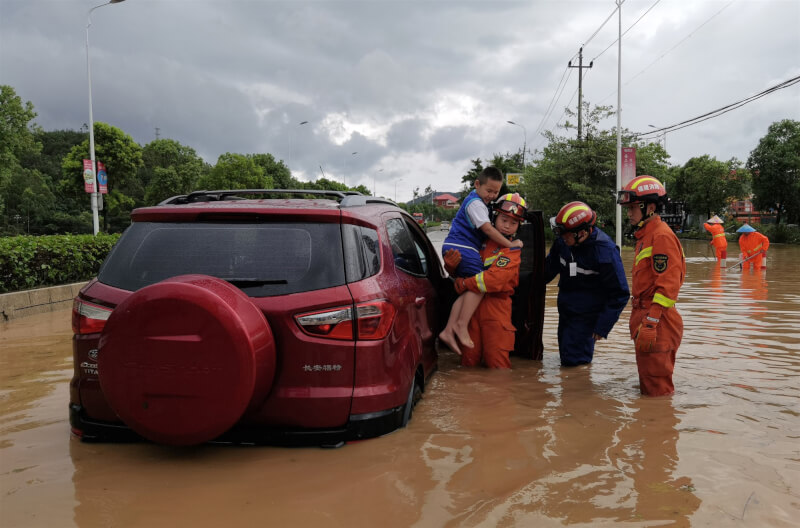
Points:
(34, 261)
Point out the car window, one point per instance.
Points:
(261, 259)
(405, 250)
(361, 252)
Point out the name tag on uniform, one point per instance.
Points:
(573, 269)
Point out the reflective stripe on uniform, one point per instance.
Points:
(718, 235)
(643, 254)
(579, 269)
(666, 302)
(479, 281)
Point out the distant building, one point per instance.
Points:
(743, 211)
(439, 199)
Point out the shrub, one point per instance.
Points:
(34, 261)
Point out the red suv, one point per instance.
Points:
(262, 316)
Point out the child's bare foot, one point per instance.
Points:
(448, 338)
(462, 334)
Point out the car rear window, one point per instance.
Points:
(261, 259)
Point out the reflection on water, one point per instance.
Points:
(540, 445)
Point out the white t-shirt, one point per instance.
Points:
(478, 213)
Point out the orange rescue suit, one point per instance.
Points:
(659, 269)
(718, 240)
(751, 244)
(490, 327)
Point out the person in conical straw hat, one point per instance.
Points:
(718, 240)
(752, 244)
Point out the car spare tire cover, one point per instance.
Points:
(180, 361)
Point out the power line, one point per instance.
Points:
(719, 111)
(672, 48)
(626, 31)
(603, 24)
(554, 100)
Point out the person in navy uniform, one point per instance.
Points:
(592, 288)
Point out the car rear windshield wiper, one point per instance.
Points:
(247, 281)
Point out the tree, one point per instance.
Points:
(276, 170)
(585, 170)
(235, 171)
(168, 169)
(17, 141)
(122, 157)
(775, 165)
(708, 186)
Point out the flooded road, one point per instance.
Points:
(540, 445)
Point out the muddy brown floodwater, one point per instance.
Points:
(539, 445)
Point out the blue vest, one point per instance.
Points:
(462, 230)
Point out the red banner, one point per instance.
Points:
(628, 164)
(88, 176)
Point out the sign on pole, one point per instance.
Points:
(102, 178)
(513, 178)
(628, 165)
(88, 176)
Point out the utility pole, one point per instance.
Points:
(580, 67)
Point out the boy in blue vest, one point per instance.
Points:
(468, 231)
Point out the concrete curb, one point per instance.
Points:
(30, 302)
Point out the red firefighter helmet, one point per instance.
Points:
(512, 205)
(574, 217)
(642, 189)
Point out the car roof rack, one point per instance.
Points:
(345, 198)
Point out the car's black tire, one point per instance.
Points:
(414, 395)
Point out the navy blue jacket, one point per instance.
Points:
(599, 285)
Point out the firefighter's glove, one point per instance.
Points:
(452, 258)
(460, 286)
(646, 335)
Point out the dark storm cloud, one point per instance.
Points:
(416, 88)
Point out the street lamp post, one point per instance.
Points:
(344, 176)
(95, 216)
(374, 189)
(293, 147)
(525, 141)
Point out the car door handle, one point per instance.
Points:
(420, 301)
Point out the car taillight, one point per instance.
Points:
(88, 318)
(373, 321)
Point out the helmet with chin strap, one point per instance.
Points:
(512, 205)
(573, 217)
(643, 190)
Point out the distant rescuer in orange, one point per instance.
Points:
(752, 243)
(659, 268)
(490, 327)
(718, 240)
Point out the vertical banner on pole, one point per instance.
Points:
(628, 165)
(102, 178)
(88, 176)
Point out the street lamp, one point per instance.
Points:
(525, 141)
(374, 189)
(292, 149)
(344, 176)
(95, 218)
(663, 135)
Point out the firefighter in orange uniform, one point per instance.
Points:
(659, 269)
(718, 240)
(752, 243)
(490, 328)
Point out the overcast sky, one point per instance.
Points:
(416, 88)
